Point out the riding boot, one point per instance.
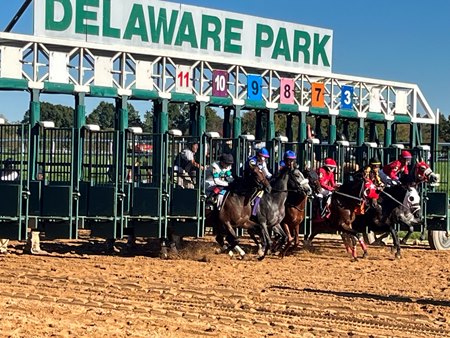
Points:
(256, 205)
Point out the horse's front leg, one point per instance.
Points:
(252, 234)
(267, 242)
(396, 246)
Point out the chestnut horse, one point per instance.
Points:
(296, 204)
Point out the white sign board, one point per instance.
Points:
(190, 32)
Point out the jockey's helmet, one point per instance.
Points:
(263, 152)
(226, 158)
(406, 154)
(290, 155)
(330, 163)
(375, 162)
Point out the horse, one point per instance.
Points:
(419, 173)
(236, 214)
(236, 210)
(345, 201)
(272, 208)
(295, 212)
(396, 204)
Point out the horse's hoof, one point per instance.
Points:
(403, 242)
(398, 255)
(260, 258)
(260, 253)
(230, 253)
(354, 259)
(365, 255)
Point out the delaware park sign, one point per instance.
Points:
(189, 32)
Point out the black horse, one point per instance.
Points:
(398, 204)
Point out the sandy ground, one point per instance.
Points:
(76, 291)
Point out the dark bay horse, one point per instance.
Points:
(295, 214)
(345, 201)
(236, 211)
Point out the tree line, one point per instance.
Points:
(179, 118)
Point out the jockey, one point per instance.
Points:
(258, 162)
(327, 183)
(392, 172)
(218, 176)
(289, 159)
(373, 184)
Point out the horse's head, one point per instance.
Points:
(313, 179)
(259, 178)
(298, 182)
(402, 204)
(423, 173)
(411, 207)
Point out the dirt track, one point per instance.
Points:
(77, 292)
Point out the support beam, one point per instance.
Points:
(332, 131)
(259, 128)
(289, 129)
(35, 116)
(302, 136)
(360, 133)
(226, 122)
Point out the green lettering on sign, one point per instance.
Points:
(82, 15)
(319, 50)
(64, 23)
(159, 23)
(264, 38)
(207, 21)
(186, 31)
(107, 29)
(281, 46)
(136, 24)
(231, 35)
(302, 47)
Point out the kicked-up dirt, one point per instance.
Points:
(76, 291)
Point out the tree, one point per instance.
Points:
(213, 121)
(104, 116)
(61, 115)
(148, 121)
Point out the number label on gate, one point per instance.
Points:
(183, 81)
(317, 95)
(287, 91)
(254, 87)
(347, 97)
(220, 83)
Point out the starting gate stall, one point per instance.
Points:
(102, 183)
(146, 174)
(14, 180)
(436, 206)
(187, 189)
(55, 161)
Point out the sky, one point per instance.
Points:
(400, 40)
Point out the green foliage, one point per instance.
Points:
(104, 115)
(213, 121)
(61, 115)
(148, 122)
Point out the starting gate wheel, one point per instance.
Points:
(439, 239)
